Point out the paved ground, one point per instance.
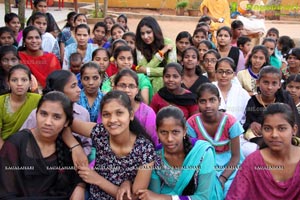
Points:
(171, 25)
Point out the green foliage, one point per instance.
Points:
(182, 4)
(100, 14)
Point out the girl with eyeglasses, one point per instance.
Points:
(210, 59)
(126, 80)
(173, 93)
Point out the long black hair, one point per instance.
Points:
(134, 125)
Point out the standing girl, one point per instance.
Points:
(224, 37)
(154, 51)
(91, 96)
(16, 105)
(183, 41)
(258, 58)
(184, 167)
(269, 84)
(40, 63)
(124, 60)
(82, 34)
(210, 59)
(173, 93)
(192, 75)
(124, 154)
(8, 58)
(293, 87)
(222, 130)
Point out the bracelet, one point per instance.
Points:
(137, 68)
(226, 179)
(161, 53)
(76, 145)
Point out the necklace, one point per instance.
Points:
(263, 103)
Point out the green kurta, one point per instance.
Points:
(10, 122)
(156, 72)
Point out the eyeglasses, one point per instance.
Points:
(226, 72)
(124, 86)
(213, 61)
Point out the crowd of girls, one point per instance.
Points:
(142, 117)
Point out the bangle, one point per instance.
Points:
(226, 179)
(137, 68)
(161, 53)
(76, 145)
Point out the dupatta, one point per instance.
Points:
(191, 164)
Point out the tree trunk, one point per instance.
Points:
(105, 8)
(96, 8)
(7, 6)
(21, 13)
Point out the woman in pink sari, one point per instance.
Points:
(272, 172)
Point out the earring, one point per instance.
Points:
(295, 141)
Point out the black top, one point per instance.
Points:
(26, 174)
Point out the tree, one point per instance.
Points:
(7, 6)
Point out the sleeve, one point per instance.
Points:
(106, 86)
(30, 121)
(249, 114)
(151, 125)
(56, 50)
(236, 129)
(148, 152)
(154, 104)
(241, 62)
(190, 130)
(155, 183)
(9, 157)
(153, 64)
(241, 183)
(66, 59)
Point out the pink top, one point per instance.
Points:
(255, 181)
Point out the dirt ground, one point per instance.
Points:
(172, 27)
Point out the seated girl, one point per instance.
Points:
(124, 151)
(273, 171)
(39, 163)
(184, 167)
(173, 93)
(222, 130)
(16, 106)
